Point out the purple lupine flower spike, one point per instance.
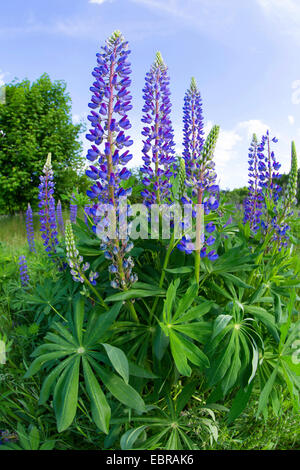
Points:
(200, 168)
(254, 203)
(29, 229)
(73, 209)
(109, 152)
(158, 150)
(47, 209)
(193, 128)
(60, 219)
(23, 271)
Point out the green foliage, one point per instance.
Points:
(35, 120)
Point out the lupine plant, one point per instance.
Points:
(23, 271)
(158, 150)
(29, 229)
(60, 220)
(73, 210)
(47, 209)
(154, 330)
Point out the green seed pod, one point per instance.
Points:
(210, 145)
(291, 191)
(182, 177)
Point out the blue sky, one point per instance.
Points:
(243, 54)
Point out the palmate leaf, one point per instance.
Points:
(66, 350)
(175, 327)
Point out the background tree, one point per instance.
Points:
(35, 120)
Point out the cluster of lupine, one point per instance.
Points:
(200, 168)
(158, 150)
(253, 205)
(110, 103)
(60, 219)
(47, 209)
(29, 229)
(265, 190)
(73, 210)
(23, 271)
(75, 261)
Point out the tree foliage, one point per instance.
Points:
(35, 120)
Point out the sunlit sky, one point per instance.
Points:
(243, 54)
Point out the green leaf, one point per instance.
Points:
(264, 396)
(193, 353)
(128, 439)
(194, 313)
(221, 365)
(100, 408)
(51, 378)
(34, 438)
(199, 331)
(261, 314)
(119, 389)
(186, 301)
(185, 396)
(48, 445)
(138, 371)
(239, 403)
(97, 329)
(66, 395)
(179, 355)
(118, 360)
(135, 294)
(78, 319)
(42, 360)
(181, 270)
(23, 438)
(219, 324)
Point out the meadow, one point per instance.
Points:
(139, 342)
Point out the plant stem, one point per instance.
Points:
(163, 273)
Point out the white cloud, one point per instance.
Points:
(253, 126)
(291, 120)
(285, 13)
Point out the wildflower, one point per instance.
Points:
(60, 219)
(75, 261)
(198, 157)
(47, 209)
(254, 203)
(29, 229)
(158, 149)
(73, 210)
(110, 103)
(23, 271)
(193, 128)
